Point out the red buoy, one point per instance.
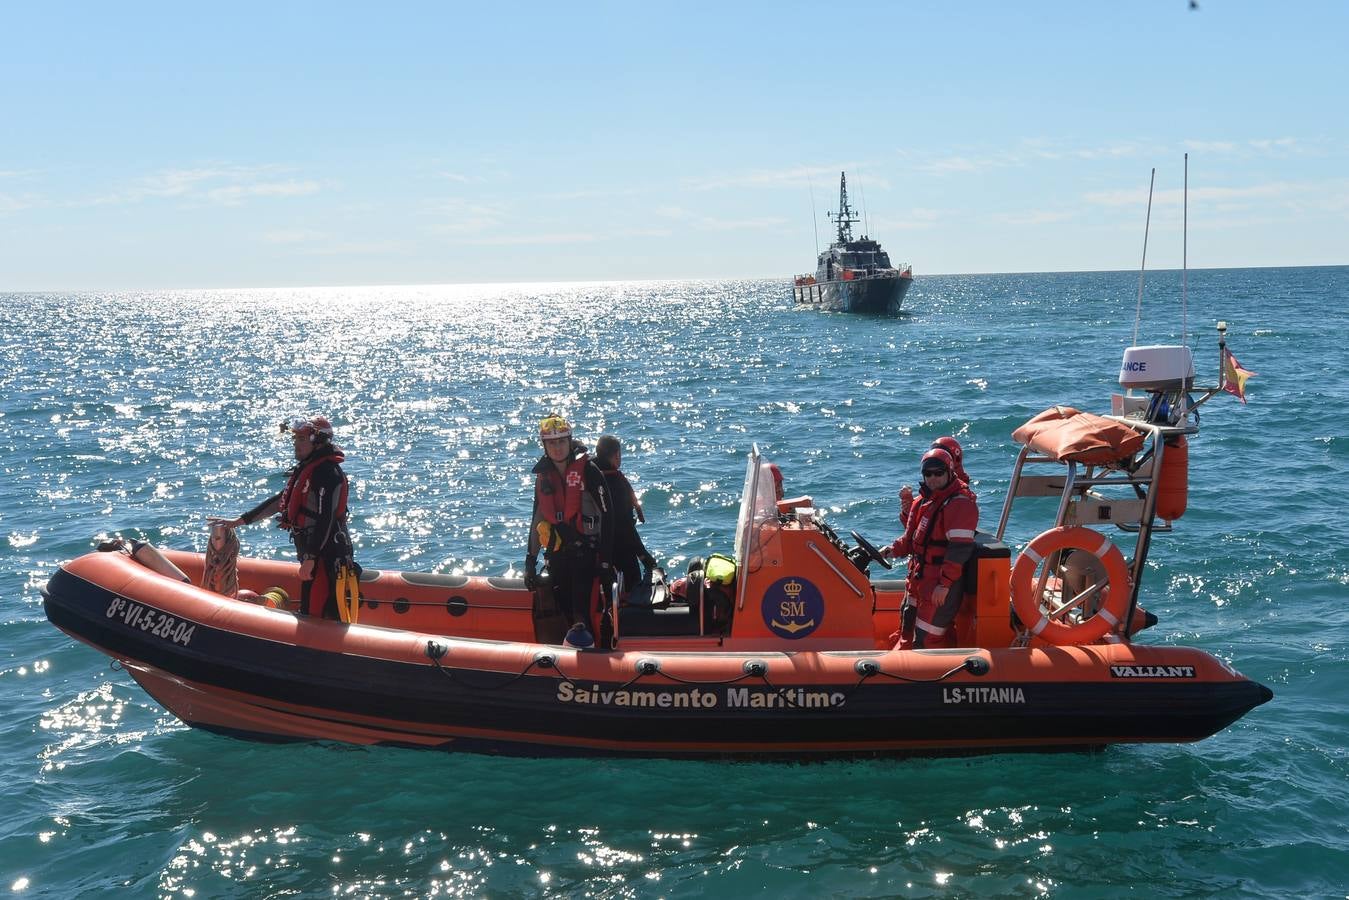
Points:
(1173, 485)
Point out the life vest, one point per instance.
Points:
(299, 508)
(560, 494)
(932, 534)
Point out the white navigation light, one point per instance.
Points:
(1157, 368)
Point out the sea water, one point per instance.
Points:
(140, 414)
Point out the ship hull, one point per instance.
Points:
(243, 670)
(877, 296)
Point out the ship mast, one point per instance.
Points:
(844, 218)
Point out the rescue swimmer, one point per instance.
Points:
(573, 526)
(629, 551)
(313, 508)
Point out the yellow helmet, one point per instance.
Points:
(554, 426)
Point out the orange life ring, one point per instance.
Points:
(1027, 606)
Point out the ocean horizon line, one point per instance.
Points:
(574, 282)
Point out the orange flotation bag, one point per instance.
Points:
(1070, 435)
(1172, 485)
(1114, 601)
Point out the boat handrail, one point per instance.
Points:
(1141, 474)
(828, 562)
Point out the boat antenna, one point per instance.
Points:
(1138, 312)
(814, 216)
(866, 222)
(844, 218)
(1185, 254)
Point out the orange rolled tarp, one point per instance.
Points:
(1070, 435)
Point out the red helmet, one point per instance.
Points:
(952, 446)
(777, 479)
(314, 428)
(938, 457)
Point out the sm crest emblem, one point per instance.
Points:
(792, 608)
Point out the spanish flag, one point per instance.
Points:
(1234, 376)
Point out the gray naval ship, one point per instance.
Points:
(853, 275)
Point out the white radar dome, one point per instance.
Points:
(1157, 368)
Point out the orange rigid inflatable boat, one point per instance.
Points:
(805, 665)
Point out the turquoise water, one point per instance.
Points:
(140, 414)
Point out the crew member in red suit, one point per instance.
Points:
(574, 528)
(313, 508)
(951, 446)
(938, 539)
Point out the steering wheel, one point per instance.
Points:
(870, 551)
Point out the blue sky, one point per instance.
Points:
(161, 145)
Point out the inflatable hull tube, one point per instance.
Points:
(247, 670)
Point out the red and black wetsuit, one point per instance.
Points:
(575, 507)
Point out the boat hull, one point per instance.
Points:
(879, 296)
(266, 674)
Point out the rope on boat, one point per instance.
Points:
(435, 651)
(753, 668)
(690, 681)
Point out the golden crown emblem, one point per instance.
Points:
(792, 588)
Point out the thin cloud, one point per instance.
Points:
(1277, 145)
(234, 194)
(763, 223)
(357, 248)
(293, 236)
(1278, 190)
(1030, 152)
(795, 176)
(1212, 148)
(711, 223)
(218, 185)
(919, 219)
(511, 240)
(958, 164)
(1032, 217)
(17, 202)
(463, 217)
(1272, 147)
(1036, 150)
(589, 194)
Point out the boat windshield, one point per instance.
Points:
(758, 511)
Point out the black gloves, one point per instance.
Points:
(531, 572)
